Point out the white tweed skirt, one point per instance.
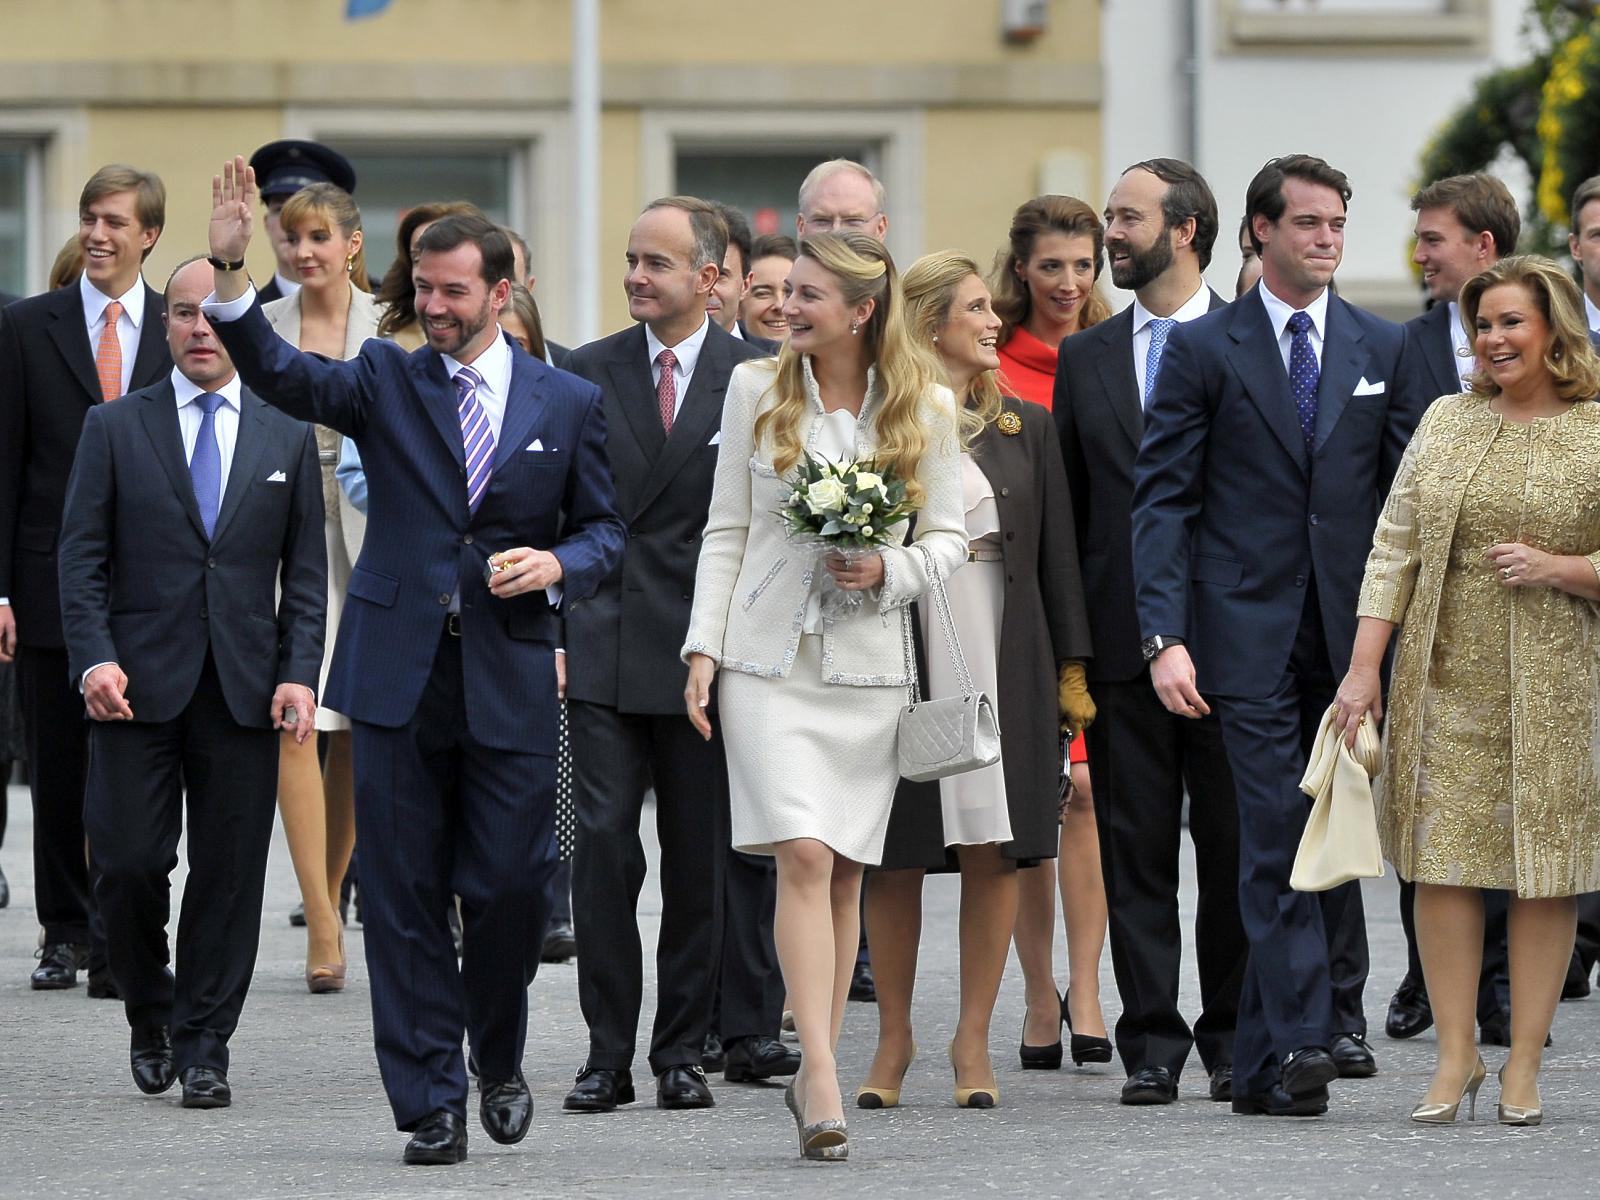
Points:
(808, 759)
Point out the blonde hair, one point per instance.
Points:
(1045, 214)
(930, 286)
(1571, 358)
(906, 372)
(329, 205)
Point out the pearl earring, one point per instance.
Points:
(936, 339)
(855, 328)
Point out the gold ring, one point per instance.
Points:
(1363, 719)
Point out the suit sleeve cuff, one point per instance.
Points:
(84, 678)
(229, 310)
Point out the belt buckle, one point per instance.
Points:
(452, 624)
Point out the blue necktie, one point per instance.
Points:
(1303, 375)
(1160, 327)
(205, 464)
(477, 438)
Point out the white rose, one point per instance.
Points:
(825, 494)
(866, 480)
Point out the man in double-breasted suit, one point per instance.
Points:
(1161, 222)
(190, 502)
(663, 381)
(1270, 441)
(489, 500)
(62, 353)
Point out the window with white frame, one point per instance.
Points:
(19, 217)
(763, 184)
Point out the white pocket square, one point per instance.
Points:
(1368, 389)
(716, 439)
(536, 444)
(277, 477)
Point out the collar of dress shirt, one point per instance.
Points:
(688, 350)
(1591, 312)
(493, 366)
(1196, 305)
(738, 330)
(185, 389)
(95, 301)
(286, 287)
(1278, 312)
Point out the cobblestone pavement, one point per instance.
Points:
(309, 1118)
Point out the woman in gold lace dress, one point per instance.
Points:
(1487, 556)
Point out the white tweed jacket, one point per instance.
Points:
(752, 583)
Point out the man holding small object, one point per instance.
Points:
(450, 680)
(189, 502)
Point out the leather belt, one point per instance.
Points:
(452, 624)
(985, 554)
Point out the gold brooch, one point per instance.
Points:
(1009, 424)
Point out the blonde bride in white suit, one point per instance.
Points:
(332, 314)
(809, 702)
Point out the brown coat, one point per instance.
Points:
(1046, 623)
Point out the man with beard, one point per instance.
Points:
(1161, 222)
(489, 503)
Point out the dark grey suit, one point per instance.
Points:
(194, 624)
(625, 712)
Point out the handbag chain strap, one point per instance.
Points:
(947, 624)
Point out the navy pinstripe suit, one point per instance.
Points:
(454, 737)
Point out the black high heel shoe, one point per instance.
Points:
(1085, 1049)
(1040, 1058)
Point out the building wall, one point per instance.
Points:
(971, 125)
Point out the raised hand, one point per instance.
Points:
(233, 199)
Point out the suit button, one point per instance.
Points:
(1011, 578)
(444, 598)
(467, 541)
(203, 614)
(1005, 491)
(1010, 536)
(1299, 581)
(687, 596)
(1313, 518)
(212, 563)
(632, 534)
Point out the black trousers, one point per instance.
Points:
(1293, 997)
(140, 776)
(57, 736)
(439, 814)
(616, 758)
(1494, 978)
(1141, 759)
(750, 983)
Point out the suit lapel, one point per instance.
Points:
(699, 416)
(1439, 350)
(1117, 375)
(438, 398)
(247, 449)
(1343, 357)
(1257, 362)
(160, 418)
(522, 406)
(71, 337)
(629, 375)
(153, 359)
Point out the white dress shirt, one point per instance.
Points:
(494, 369)
(286, 287)
(1590, 311)
(1466, 363)
(1279, 313)
(688, 352)
(1196, 305)
(128, 325)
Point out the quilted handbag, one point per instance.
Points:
(953, 734)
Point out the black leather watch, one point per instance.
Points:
(223, 264)
(1153, 646)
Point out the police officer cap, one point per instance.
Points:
(283, 168)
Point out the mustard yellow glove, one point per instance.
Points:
(1072, 697)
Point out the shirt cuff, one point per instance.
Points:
(228, 310)
(5, 601)
(553, 594)
(84, 678)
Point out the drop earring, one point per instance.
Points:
(855, 328)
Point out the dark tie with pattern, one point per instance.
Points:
(205, 464)
(667, 388)
(1303, 375)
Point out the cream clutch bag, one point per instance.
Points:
(1340, 842)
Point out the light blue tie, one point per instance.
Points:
(1160, 327)
(205, 464)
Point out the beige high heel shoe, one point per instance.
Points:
(868, 1096)
(1515, 1114)
(328, 977)
(1445, 1114)
(978, 1097)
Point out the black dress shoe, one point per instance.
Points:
(1275, 1102)
(206, 1087)
(1150, 1085)
(505, 1109)
(1221, 1083)
(150, 1055)
(102, 986)
(599, 1090)
(1496, 1031)
(713, 1057)
(1576, 986)
(1409, 1010)
(1306, 1070)
(440, 1141)
(1352, 1057)
(751, 1058)
(59, 964)
(297, 916)
(863, 986)
(560, 944)
(683, 1087)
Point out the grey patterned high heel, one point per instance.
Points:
(820, 1141)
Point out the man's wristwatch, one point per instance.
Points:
(223, 264)
(1153, 646)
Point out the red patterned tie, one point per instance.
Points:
(667, 388)
(108, 357)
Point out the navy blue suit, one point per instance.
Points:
(1251, 546)
(454, 736)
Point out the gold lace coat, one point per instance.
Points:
(1553, 652)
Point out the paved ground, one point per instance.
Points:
(309, 1117)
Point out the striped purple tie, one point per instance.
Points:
(477, 439)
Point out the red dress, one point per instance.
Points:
(1028, 368)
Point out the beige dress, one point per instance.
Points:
(1493, 726)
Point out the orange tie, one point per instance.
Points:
(108, 358)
